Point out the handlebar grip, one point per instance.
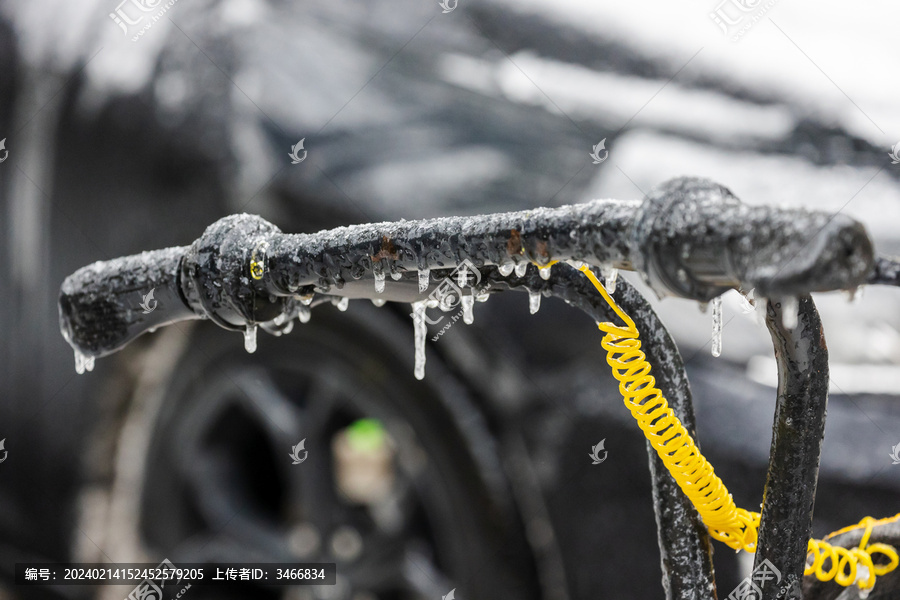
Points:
(105, 305)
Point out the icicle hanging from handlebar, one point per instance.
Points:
(534, 301)
(468, 304)
(83, 362)
(304, 314)
(250, 339)
(610, 275)
(418, 317)
(716, 304)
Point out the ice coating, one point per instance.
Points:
(610, 275)
(716, 305)
(672, 233)
(468, 304)
(419, 333)
(379, 282)
(790, 311)
(534, 301)
(521, 268)
(327, 258)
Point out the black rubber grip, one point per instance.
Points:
(105, 305)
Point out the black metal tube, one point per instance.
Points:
(797, 435)
(690, 237)
(684, 542)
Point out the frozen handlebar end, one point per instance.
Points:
(694, 239)
(105, 305)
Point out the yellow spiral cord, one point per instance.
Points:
(727, 523)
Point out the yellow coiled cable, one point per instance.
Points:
(727, 523)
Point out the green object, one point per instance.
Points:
(366, 435)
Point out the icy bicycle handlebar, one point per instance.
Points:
(690, 238)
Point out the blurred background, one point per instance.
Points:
(133, 126)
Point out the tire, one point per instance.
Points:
(203, 472)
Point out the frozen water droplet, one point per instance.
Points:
(379, 282)
(378, 301)
(396, 275)
(534, 301)
(304, 314)
(79, 362)
(506, 268)
(462, 276)
(419, 338)
(468, 302)
(88, 363)
(610, 275)
(250, 339)
(855, 295)
(520, 269)
(288, 328)
(716, 326)
(790, 308)
(482, 296)
(703, 306)
(342, 304)
(545, 273)
(424, 277)
(306, 300)
(577, 264)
